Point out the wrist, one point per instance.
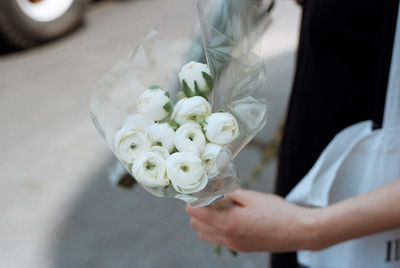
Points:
(311, 229)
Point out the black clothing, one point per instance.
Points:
(341, 78)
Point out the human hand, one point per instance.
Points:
(257, 222)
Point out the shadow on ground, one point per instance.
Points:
(108, 227)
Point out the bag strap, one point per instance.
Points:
(387, 32)
(392, 106)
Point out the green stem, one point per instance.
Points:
(218, 250)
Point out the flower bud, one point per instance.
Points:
(196, 79)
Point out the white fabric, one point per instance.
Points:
(392, 117)
(358, 160)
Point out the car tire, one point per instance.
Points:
(26, 23)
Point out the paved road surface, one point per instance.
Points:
(56, 206)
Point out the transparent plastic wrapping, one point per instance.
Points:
(224, 34)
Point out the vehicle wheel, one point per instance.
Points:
(25, 23)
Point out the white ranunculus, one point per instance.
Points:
(155, 103)
(209, 157)
(160, 150)
(130, 143)
(149, 169)
(162, 135)
(186, 172)
(194, 109)
(190, 138)
(195, 73)
(221, 128)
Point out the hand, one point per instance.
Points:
(257, 222)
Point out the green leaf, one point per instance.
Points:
(173, 124)
(167, 94)
(209, 81)
(155, 87)
(186, 89)
(168, 107)
(202, 125)
(181, 95)
(198, 91)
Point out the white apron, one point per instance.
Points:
(358, 160)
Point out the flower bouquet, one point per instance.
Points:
(180, 107)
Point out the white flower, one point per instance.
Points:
(155, 103)
(130, 143)
(186, 172)
(209, 157)
(149, 170)
(221, 128)
(162, 135)
(194, 109)
(195, 74)
(160, 150)
(190, 138)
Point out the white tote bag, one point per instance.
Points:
(358, 160)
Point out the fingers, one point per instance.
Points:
(215, 240)
(203, 227)
(212, 217)
(207, 233)
(216, 226)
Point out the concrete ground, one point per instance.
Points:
(56, 206)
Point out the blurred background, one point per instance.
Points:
(57, 208)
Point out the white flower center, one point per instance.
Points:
(185, 168)
(150, 165)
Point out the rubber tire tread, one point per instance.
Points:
(19, 31)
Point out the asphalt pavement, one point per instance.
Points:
(57, 208)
